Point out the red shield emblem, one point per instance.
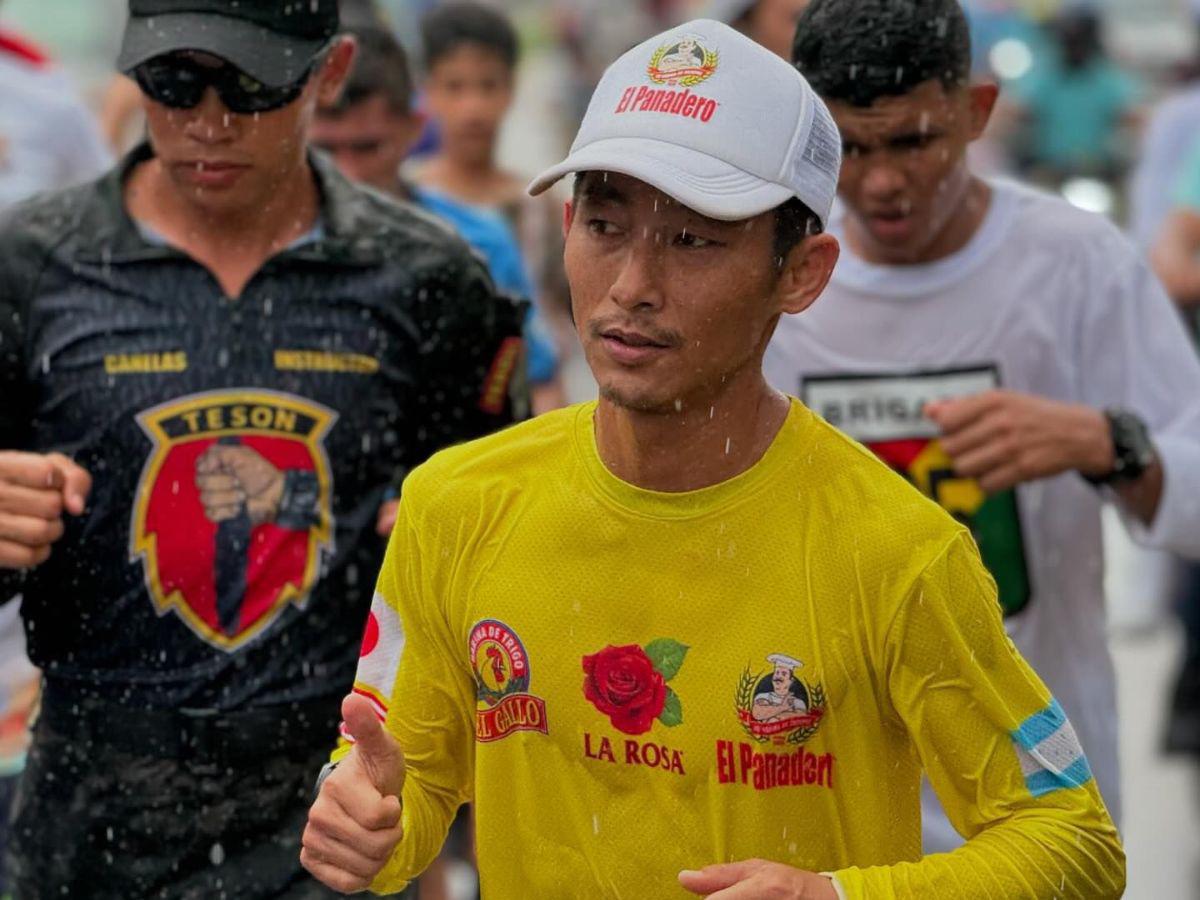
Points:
(232, 513)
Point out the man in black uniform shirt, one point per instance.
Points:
(214, 363)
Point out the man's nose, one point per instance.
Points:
(639, 284)
(210, 121)
(884, 179)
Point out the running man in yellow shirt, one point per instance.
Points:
(580, 620)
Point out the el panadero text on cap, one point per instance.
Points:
(273, 41)
(713, 120)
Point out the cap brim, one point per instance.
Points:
(274, 59)
(700, 182)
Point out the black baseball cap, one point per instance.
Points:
(273, 41)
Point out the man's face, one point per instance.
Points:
(782, 680)
(229, 162)
(368, 141)
(468, 92)
(669, 305)
(905, 174)
(772, 23)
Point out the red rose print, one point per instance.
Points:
(623, 684)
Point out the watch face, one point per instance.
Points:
(1131, 443)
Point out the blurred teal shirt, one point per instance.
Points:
(1076, 114)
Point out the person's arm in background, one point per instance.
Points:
(469, 376)
(997, 749)
(1176, 256)
(1134, 353)
(410, 676)
(1175, 252)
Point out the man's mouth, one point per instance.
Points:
(632, 338)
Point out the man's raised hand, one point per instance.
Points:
(35, 491)
(354, 825)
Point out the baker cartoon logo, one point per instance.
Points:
(683, 63)
(232, 515)
(776, 705)
(501, 668)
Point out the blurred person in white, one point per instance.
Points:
(771, 23)
(48, 140)
(1176, 256)
(1012, 356)
(1163, 157)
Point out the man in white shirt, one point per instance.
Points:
(994, 344)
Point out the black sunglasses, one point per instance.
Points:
(179, 82)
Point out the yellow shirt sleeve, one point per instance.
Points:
(998, 750)
(429, 709)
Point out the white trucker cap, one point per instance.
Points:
(712, 120)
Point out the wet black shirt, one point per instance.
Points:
(240, 448)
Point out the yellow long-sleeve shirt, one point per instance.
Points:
(629, 683)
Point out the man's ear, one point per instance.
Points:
(335, 70)
(806, 272)
(982, 98)
(568, 217)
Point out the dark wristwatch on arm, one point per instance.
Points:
(1133, 449)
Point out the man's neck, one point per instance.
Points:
(695, 448)
(958, 231)
(233, 245)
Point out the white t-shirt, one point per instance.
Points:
(1046, 300)
(48, 138)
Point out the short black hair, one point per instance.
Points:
(858, 51)
(446, 28)
(794, 222)
(380, 69)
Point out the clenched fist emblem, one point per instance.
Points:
(232, 478)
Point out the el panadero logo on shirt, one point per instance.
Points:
(776, 706)
(502, 678)
(628, 684)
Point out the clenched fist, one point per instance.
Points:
(354, 825)
(232, 477)
(35, 491)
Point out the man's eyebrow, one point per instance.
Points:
(599, 190)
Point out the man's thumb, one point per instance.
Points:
(77, 483)
(377, 750)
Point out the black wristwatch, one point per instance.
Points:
(1133, 450)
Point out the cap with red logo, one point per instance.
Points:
(714, 121)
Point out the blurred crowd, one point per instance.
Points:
(1100, 103)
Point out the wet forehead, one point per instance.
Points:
(922, 109)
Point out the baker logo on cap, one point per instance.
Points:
(684, 63)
